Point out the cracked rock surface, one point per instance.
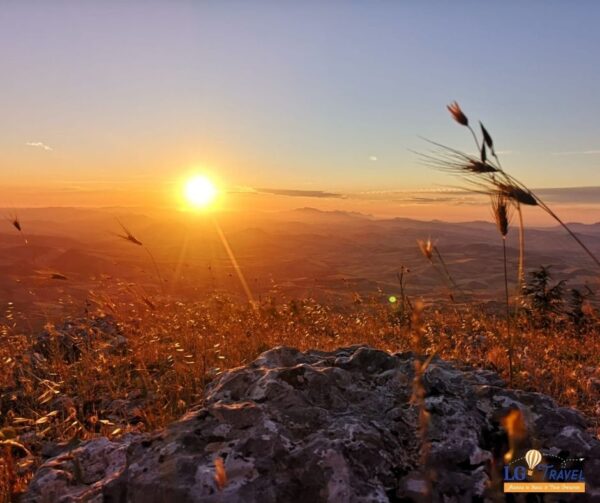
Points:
(325, 427)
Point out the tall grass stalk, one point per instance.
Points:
(128, 236)
(446, 271)
(16, 223)
(521, 274)
(508, 331)
(428, 249)
(487, 138)
(501, 210)
(489, 177)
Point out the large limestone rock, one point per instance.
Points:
(315, 426)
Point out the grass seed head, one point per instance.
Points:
(479, 167)
(517, 194)
(457, 114)
(501, 213)
(426, 248)
(487, 139)
(128, 236)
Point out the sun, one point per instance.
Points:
(200, 191)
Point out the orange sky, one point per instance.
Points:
(112, 104)
(442, 204)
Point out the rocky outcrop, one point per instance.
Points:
(72, 337)
(335, 427)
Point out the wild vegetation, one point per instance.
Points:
(132, 363)
(130, 366)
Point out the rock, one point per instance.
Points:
(72, 336)
(324, 427)
(593, 385)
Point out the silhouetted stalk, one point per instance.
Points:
(475, 138)
(128, 236)
(511, 188)
(521, 271)
(566, 227)
(538, 202)
(427, 249)
(16, 223)
(547, 209)
(501, 208)
(403, 297)
(508, 331)
(156, 269)
(521, 248)
(453, 283)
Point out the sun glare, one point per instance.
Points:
(200, 192)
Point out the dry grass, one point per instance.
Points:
(156, 357)
(174, 349)
(501, 211)
(488, 177)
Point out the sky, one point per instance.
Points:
(282, 97)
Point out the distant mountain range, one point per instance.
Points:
(303, 252)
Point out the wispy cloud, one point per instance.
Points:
(427, 196)
(578, 152)
(574, 195)
(39, 144)
(301, 193)
(432, 196)
(286, 192)
(498, 152)
(240, 189)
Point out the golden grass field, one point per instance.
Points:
(135, 361)
(173, 349)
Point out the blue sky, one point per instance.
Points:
(295, 95)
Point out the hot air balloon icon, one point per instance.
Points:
(533, 458)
